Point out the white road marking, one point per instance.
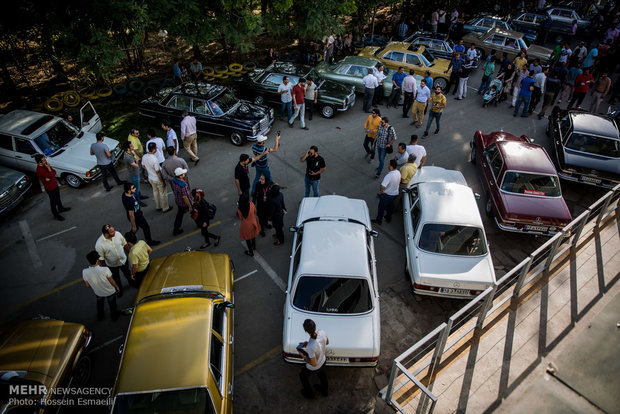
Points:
(30, 244)
(270, 272)
(246, 275)
(56, 234)
(106, 343)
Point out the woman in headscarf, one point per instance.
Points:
(201, 207)
(250, 227)
(260, 198)
(277, 209)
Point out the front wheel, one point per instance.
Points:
(81, 373)
(327, 111)
(488, 208)
(236, 138)
(441, 82)
(473, 154)
(73, 180)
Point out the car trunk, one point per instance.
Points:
(536, 210)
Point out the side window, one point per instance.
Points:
(438, 45)
(342, 69)
(184, 103)
(216, 359)
(200, 107)
(564, 128)
(219, 315)
(512, 43)
(497, 40)
(413, 59)
(6, 142)
(172, 103)
(274, 79)
(395, 56)
(24, 146)
(416, 214)
(356, 71)
(496, 166)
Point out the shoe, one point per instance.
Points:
(290, 125)
(249, 253)
(217, 241)
(458, 99)
(177, 232)
(158, 209)
(277, 243)
(204, 246)
(144, 197)
(196, 162)
(62, 210)
(320, 390)
(436, 132)
(59, 217)
(418, 125)
(169, 209)
(154, 243)
(375, 221)
(425, 133)
(514, 114)
(142, 204)
(366, 155)
(412, 123)
(307, 394)
(109, 189)
(306, 128)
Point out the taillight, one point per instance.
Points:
(363, 359)
(475, 292)
(88, 335)
(424, 287)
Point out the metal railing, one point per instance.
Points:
(420, 364)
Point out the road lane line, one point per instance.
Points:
(56, 234)
(30, 244)
(168, 243)
(239, 279)
(258, 360)
(270, 272)
(103, 345)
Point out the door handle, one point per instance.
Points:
(17, 156)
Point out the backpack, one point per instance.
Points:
(211, 210)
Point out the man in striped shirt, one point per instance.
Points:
(262, 164)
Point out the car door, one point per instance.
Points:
(394, 59)
(7, 154)
(221, 352)
(89, 119)
(492, 163)
(24, 154)
(412, 230)
(413, 61)
(204, 120)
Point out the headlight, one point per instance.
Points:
(271, 113)
(21, 184)
(92, 172)
(255, 129)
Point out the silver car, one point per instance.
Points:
(13, 188)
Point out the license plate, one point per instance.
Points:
(535, 228)
(340, 360)
(451, 291)
(590, 180)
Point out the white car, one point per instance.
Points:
(333, 281)
(23, 134)
(447, 252)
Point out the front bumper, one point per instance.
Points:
(350, 102)
(118, 154)
(13, 197)
(333, 361)
(588, 179)
(534, 229)
(264, 131)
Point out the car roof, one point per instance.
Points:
(437, 174)
(167, 346)
(403, 47)
(450, 203)
(532, 14)
(593, 124)
(210, 270)
(526, 156)
(504, 32)
(198, 90)
(334, 248)
(429, 35)
(360, 60)
(17, 121)
(333, 208)
(289, 68)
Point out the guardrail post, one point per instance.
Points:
(604, 208)
(485, 307)
(554, 248)
(577, 233)
(388, 393)
(436, 359)
(522, 275)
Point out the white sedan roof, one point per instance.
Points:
(436, 175)
(16, 121)
(448, 203)
(333, 207)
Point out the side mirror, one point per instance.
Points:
(127, 311)
(229, 305)
(477, 196)
(292, 229)
(120, 349)
(374, 233)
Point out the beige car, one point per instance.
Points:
(502, 40)
(41, 354)
(178, 354)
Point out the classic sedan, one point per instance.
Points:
(261, 86)
(483, 24)
(501, 40)
(178, 353)
(216, 108)
(13, 188)
(447, 251)
(333, 281)
(563, 17)
(586, 147)
(397, 54)
(438, 44)
(521, 183)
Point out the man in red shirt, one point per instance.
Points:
(299, 91)
(582, 84)
(47, 175)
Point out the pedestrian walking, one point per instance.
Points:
(203, 213)
(487, 76)
(397, 85)
(173, 162)
(418, 150)
(463, 75)
(47, 176)
(171, 136)
(285, 91)
(370, 84)
(315, 166)
(133, 170)
(438, 103)
(299, 92)
(156, 179)
(277, 210)
(260, 198)
(409, 88)
(135, 215)
(189, 136)
(250, 228)
(112, 248)
(387, 194)
(104, 161)
(423, 94)
(371, 125)
(386, 135)
(100, 280)
(182, 198)
(139, 257)
(540, 80)
(582, 84)
(313, 352)
(600, 91)
(311, 97)
(552, 88)
(160, 145)
(379, 91)
(262, 163)
(525, 93)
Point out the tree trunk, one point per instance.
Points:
(9, 86)
(50, 52)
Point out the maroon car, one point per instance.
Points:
(522, 185)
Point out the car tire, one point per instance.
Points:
(488, 207)
(82, 370)
(327, 111)
(236, 138)
(259, 100)
(473, 154)
(73, 180)
(441, 82)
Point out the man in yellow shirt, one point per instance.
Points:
(370, 129)
(139, 253)
(438, 103)
(520, 61)
(407, 171)
(138, 149)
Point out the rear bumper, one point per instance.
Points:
(336, 362)
(587, 179)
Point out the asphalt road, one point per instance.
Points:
(42, 258)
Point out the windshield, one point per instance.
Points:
(453, 239)
(56, 137)
(378, 51)
(223, 103)
(594, 145)
(531, 184)
(332, 295)
(427, 58)
(193, 400)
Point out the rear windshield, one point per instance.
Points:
(194, 400)
(531, 184)
(453, 239)
(594, 145)
(332, 295)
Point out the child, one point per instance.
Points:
(100, 280)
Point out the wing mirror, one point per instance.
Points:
(373, 233)
(477, 196)
(229, 305)
(120, 349)
(292, 229)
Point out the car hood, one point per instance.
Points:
(475, 272)
(589, 162)
(8, 177)
(334, 89)
(349, 335)
(247, 111)
(550, 210)
(76, 155)
(539, 52)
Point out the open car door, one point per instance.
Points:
(89, 119)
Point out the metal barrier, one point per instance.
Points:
(469, 320)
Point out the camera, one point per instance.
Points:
(278, 133)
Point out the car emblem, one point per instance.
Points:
(538, 220)
(457, 284)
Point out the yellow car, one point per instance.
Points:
(178, 354)
(38, 356)
(396, 54)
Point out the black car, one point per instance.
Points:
(261, 85)
(217, 110)
(586, 147)
(438, 44)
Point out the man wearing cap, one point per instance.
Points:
(171, 164)
(262, 164)
(182, 197)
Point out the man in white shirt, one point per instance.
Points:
(422, 95)
(418, 150)
(410, 85)
(388, 193)
(153, 169)
(370, 84)
(380, 75)
(472, 54)
(159, 145)
(189, 136)
(171, 136)
(112, 249)
(285, 91)
(313, 352)
(100, 280)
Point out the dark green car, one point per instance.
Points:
(261, 86)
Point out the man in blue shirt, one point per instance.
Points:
(397, 84)
(176, 72)
(455, 64)
(525, 93)
(428, 79)
(261, 164)
(459, 49)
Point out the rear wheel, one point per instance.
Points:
(73, 180)
(236, 138)
(488, 208)
(441, 82)
(473, 154)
